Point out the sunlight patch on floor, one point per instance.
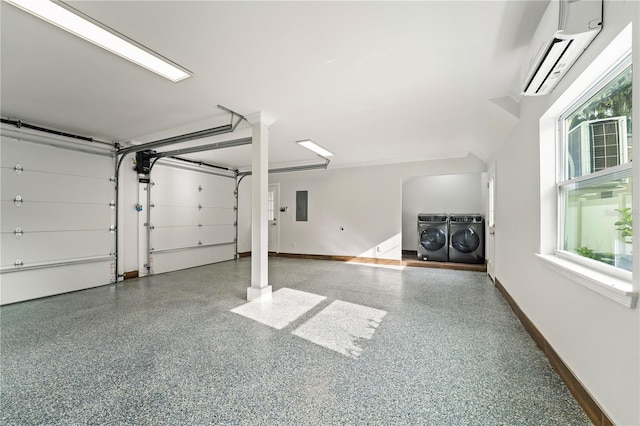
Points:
(281, 309)
(341, 327)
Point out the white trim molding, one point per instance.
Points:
(616, 289)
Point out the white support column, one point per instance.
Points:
(259, 206)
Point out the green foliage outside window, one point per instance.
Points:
(598, 136)
(624, 225)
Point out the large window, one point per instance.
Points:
(595, 179)
(587, 173)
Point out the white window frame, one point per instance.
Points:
(584, 127)
(614, 283)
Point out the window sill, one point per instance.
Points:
(614, 288)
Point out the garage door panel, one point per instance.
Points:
(170, 195)
(169, 175)
(44, 158)
(184, 236)
(166, 262)
(37, 186)
(191, 208)
(217, 234)
(218, 184)
(217, 216)
(59, 216)
(217, 199)
(39, 247)
(175, 237)
(175, 216)
(188, 196)
(31, 284)
(65, 217)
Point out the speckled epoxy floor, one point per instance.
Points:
(168, 350)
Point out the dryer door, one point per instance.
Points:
(433, 239)
(465, 240)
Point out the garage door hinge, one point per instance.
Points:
(18, 262)
(199, 225)
(112, 228)
(199, 206)
(18, 232)
(18, 169)
(112, 204)
(113, 179)
(235, 208)
(18, 200)
(199, 188)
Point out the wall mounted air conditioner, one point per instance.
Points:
(565, 30)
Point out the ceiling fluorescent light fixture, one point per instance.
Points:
(311, 145)
(84, 27)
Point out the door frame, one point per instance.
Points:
(275, 187)
(490, 240)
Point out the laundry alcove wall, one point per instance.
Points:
(453, 193)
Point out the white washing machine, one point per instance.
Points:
(433, 235)
(466, 238)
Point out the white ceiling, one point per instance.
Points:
(374, 82)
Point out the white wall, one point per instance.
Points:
(365, 201)
(596, 337)
(460, 193)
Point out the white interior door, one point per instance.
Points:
(490, 222)
(274, 214)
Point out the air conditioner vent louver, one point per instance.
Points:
(565, 30)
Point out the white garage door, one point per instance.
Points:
(56, 216)
(192, 218)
